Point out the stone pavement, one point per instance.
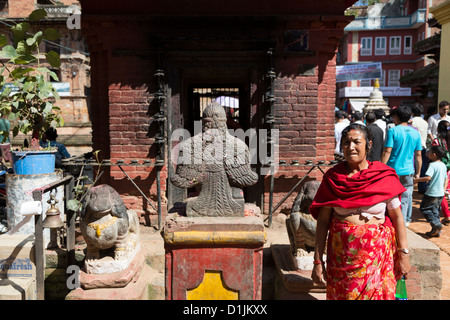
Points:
(420, 226)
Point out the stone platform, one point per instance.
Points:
(128, 284)
(293, 283)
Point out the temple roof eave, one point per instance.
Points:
(423, 76)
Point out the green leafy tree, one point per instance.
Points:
(27, 93)
(352, 11)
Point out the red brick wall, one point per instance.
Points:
(130, 95)
(414, 284)
(121, 114)
(20, 9)
(304, 111)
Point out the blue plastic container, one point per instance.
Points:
(33, 162)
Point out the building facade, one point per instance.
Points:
(386, 33)
(74, 73)
(441, 13)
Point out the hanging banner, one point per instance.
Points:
(354, 92)
(63, 88)
(364, 71)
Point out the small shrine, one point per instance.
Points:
(214, 250)
(376, 100)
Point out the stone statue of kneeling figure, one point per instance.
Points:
(218, 164)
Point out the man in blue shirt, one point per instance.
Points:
(403, 152)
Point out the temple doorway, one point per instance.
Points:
(189, 96)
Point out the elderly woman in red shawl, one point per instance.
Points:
(358, 207)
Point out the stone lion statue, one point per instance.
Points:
(301, 226)
(106, 223)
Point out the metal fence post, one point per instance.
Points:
(39, 249)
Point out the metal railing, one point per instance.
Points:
(79, 162)
(308, 163)
(68, 183)
(372, 23)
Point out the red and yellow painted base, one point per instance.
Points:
(213, 258)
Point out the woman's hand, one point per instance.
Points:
(319, 274)
(402, 266)
(323, 220)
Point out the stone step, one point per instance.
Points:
(156, 279)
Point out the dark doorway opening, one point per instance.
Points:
(230, 97)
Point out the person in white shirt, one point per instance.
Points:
(346, 120)
(379, 114)
(358, 117)
(340, 125)
(419, 123)
(422, 126)
(434, 120)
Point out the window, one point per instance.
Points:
(404, 11)
(407, 48)
(366, 46)
(394, 78)
(4, 6)
(382, 81)
(365, 83)
(407, 71)
(227, 97)
(380, 46)
(394, 49)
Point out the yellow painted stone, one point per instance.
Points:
(215, 237)
(212, 288)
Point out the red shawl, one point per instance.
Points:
(367, 187)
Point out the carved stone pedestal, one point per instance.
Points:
(128, 284)
(108, 264)
(213, 258)
(292, 282)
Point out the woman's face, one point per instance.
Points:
(354, 146)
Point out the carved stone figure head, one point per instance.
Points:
(214, 117)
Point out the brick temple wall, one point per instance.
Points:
(122, 86)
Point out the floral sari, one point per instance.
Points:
(360, 261)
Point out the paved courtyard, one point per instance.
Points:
(277, 234)
(420, 226)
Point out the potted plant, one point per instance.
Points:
(27, 94)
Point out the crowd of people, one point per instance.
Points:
(364, 203)
(402, 140)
